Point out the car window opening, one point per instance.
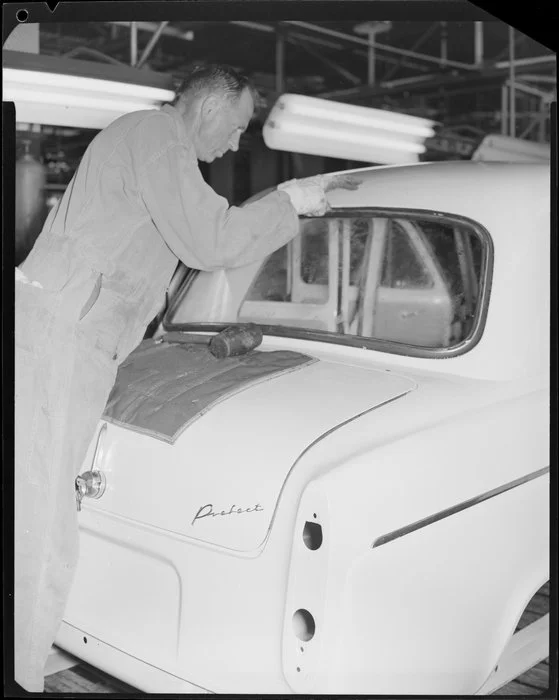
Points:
(394, 277)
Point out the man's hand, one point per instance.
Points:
(308, 195)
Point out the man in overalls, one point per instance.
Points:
(95, 278)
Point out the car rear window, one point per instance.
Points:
(406, 282)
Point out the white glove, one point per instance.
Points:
(308, 195)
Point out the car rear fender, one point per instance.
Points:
(428, 612)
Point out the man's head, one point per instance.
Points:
(217, 104)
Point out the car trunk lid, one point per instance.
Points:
(220, 481)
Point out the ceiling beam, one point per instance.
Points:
(258, 26)
(419, 42)
(440, 81)
(151, 27)
(540, 78)
(531, 61)
(350, 77)
(151, 43)
(384, 47)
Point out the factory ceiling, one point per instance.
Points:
(317, 56)
(452, 71)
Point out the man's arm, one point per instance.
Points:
(199, 225)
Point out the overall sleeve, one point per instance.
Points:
(199, 226)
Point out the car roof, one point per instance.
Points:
(512, 202)
(466, 188)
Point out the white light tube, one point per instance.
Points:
(354, 115)
(507, 148)
(321, 146)
(304, 124)
(57, 115)
(71, 100)
(40, 79)
(121, 106)
(360, 137)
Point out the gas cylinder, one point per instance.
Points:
(30, 210)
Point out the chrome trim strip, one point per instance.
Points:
(401, 532)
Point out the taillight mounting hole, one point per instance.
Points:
(312, 535)
(303, 625)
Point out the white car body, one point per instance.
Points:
(398, 496)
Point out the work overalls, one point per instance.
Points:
(136, 205)
(65, 367)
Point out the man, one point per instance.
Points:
(85, 294)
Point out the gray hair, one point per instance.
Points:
(215, 77)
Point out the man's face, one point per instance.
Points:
(222, 121)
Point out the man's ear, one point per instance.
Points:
(209, 106)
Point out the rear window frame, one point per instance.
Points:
(363, 342)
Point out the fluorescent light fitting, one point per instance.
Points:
(71, 100)
(40, 79)
(497, 147)
(362, 137)
(97, 103)
(377, 120)
(353, 115)
(326, 146)
(59, 115)
(315, 126)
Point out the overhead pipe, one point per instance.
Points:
(326, 61)
(407, 81)
(539, 78)
(384, 47)
(152, 42)
(478, 43)
(370, 30)
(133, 43)
(529, 90)
(283, 161)
(519, 39)
(440, 80)
(280, 60)
(532, 61)
(543, 118)
(258, 26)
(504, 109)
(151, 27)
(444, 43)
(533, 122)
(512, 87)
(421, 40)
(371, 59)
(395, 62)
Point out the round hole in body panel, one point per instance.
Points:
(312, 535)
(303, 625)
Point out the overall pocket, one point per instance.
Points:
(103, 320)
